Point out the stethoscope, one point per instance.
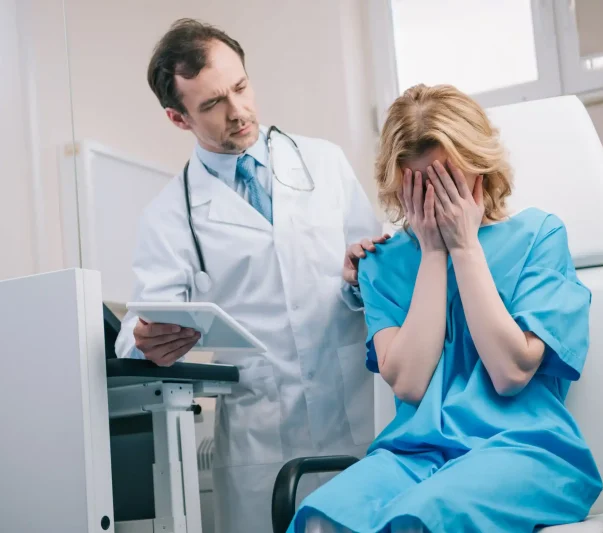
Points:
(202, 280)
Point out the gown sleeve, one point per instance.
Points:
(552, 303)
(387, 292)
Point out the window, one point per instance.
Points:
(500, 52)
(436, 45)
(579, 24)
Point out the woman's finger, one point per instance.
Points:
(417, 195)
(407, 192)
(478, 191)
(439, 189)
(447, 182)
(438, 207)
(429, 209)
(459, 179)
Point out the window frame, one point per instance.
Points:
(575, 79)
(545, 39)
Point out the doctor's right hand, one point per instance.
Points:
(419, 209)
(164, 344)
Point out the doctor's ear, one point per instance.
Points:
(177, 118)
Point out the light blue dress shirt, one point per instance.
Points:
(224, 166)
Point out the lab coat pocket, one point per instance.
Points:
(249, 421)
(357, 392)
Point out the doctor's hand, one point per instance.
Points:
(354, 253)
(459, 211)
(164, 344)
(419, 210)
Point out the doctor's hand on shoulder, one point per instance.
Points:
(354, 253)
(164, 344)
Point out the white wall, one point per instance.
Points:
(36, 121)
(306, 59)
(309, 61)
(16, 236)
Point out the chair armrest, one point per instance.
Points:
(287, 480)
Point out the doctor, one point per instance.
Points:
(271, 219)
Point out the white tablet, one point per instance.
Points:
(220, 332)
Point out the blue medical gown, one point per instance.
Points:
(466, 459)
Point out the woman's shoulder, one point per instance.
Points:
(536, 220)
(530, 233)
(398, 253)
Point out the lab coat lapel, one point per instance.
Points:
(225, 205)
(287, 168)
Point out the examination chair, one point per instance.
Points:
(92, 443)
(557, 158)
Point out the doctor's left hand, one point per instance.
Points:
(164, 344)
(354, 253)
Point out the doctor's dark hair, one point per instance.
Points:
(427, 117)
(182, 51)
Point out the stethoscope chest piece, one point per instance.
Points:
(202, 282)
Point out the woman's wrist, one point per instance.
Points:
(470, 250)
(435, 255)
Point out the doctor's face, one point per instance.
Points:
(220, 103)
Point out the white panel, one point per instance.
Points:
(111, 191)
(557, 157)
(583, 399)
(55, 468)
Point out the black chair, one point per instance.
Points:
(287, 481)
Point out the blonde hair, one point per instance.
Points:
(427, 117)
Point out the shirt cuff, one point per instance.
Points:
(350, 294)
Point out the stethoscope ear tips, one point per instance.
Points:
(202, 282)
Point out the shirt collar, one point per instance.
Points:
(224, 166)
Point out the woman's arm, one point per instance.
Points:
(510, 356)
(408, 355)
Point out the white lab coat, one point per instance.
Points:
(310, 394)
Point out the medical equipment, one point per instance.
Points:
(531, 132)
(220, 332)
(202, 280)
(93, 443)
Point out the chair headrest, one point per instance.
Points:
(557, 158)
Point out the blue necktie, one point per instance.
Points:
(258, 197)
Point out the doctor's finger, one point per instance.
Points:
(160, 354)
(148, 343)
(356, 251)
(368, 245)
(382, 238)
(173, 356)
(154, 330)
